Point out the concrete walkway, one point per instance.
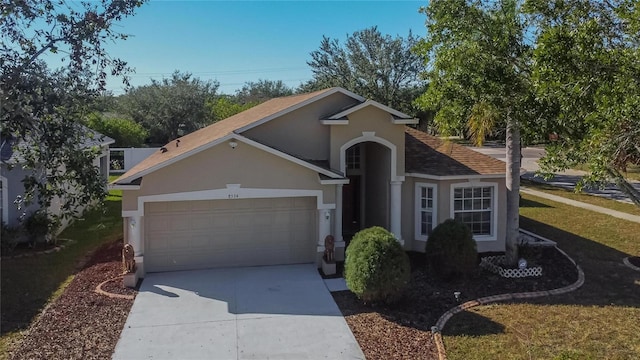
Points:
(268, 312)
(560, 199)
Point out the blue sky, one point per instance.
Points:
(238, 41)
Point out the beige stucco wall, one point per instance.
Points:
(220, 165)
(300, 132)
(369, 119)
(377, 185)
(444, 211)
(408, 214)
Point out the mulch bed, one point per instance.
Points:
(402, 331)
(81, 324)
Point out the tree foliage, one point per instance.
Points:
(478, 63)
(126, 132)
(170, 107)
(376, 66)
(587, 68)
(42, 108)
(225, 106)
(262, 90)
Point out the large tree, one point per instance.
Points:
(262, 90)
(42, 108)
(376, 66)
(225, 106)
(478, 63)
(125, 132)
(170, 107)
(587, 68)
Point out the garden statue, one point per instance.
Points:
(329, 244)
(128, 261)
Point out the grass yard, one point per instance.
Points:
(598, 321)
(30, 283)
(586, 198)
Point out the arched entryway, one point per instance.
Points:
(365, 200)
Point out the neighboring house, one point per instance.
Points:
(267, 185)
(123, 159)
(11, 186)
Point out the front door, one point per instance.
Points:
(351, 222)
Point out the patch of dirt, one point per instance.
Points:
(635, 261)
(81, 324)
(403, 330)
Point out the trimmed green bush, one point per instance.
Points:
(376, 267)
(451, 251)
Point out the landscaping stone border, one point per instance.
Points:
(99, 290)
(436, 330)
(529, 238)
(629, 264)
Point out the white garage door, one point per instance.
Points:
(217, 233)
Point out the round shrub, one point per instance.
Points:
(376, 267)
(451, 251)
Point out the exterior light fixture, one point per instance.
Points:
(233, 144)
(522, 264)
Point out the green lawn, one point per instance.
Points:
(598, 321)
(29, 283)
(633, 171)
(586, 198)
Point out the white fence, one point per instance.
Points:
(123, 159)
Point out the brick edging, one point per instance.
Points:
(435, 330)
(99, 290)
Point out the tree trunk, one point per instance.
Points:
(626, 188)
(513, 190)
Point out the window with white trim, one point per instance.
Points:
(353, 157)
(426, 204)
(474, 206)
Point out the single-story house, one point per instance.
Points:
(267, 185)
(12, 172)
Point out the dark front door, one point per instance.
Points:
(351, 222)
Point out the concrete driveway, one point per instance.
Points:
(271, 312)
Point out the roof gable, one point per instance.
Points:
(367, 103)
(427, 154)
(215, 133)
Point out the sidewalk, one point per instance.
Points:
(614, 213)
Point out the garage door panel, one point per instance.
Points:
(201, 205)
(200, 221)
(155, 208)
(218, 233)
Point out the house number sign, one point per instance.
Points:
(234, 196)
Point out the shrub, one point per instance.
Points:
(451, 251)
(376, 267)
(37, 226)
(9, 238)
